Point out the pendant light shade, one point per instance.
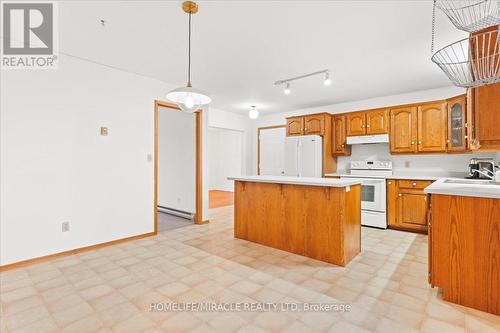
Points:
(189, 99)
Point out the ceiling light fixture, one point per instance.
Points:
(287, 90)
(253, 113)
(189, 99)
(327, 81)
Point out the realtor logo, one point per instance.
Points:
(28, 32)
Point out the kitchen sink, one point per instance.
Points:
(471, 182)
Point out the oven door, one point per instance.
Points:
(373, 194)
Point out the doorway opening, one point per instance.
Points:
(177, 167)
(226, 159)
(271, 150)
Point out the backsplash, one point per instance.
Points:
(429, 162)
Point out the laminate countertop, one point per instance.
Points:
(410, 174)
(310, 181)
(462, 187)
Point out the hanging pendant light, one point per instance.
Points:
(189, 99)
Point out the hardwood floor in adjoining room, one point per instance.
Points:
(111, 289)
(218, 198)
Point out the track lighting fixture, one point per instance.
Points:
(253, 113)
(287, 90)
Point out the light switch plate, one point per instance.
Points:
(104, 131)
(65, 226)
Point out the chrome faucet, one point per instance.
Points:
(488, 173)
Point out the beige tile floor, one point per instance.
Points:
(111, 289)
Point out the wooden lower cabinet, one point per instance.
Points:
(412, 210)
(407, 205)
(464, 252)
(322, 223)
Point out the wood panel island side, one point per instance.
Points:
(318, 218)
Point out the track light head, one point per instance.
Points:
(287, 90)
(327, 80)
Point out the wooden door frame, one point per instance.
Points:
(198, 218)
(258, 142)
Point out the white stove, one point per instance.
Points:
(373, 191)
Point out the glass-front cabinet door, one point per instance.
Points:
(457, 133)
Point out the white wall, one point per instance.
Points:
(414, 97)
(55, 167)
(428, 162)
(220, 119)
(177, 160)
(226, 158)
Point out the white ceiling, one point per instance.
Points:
(373, 48)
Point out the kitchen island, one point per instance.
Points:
(464, 242)
(318, 218)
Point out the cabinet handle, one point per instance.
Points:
(389, 183)
(400, 195)
(413, 142)
(343, 146)
(414, 184)
(368, 126)
(420, 142)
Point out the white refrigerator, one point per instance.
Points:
(304, 156)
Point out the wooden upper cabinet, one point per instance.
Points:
(339, 146)
(457, 129)
(432, 127)
(295, 126)
(356, 123)
(403, 134)
(377, 121)
(487, 116)
(314, 124)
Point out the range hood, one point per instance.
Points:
(364, 139)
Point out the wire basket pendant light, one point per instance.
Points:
(189, 99)
(473, 61)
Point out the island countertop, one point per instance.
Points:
(310, 181)
(313, 217)
(463, 187)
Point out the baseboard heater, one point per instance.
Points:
(176, 212)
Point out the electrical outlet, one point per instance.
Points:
(407, 164)
(65, 226)
(104, 131)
